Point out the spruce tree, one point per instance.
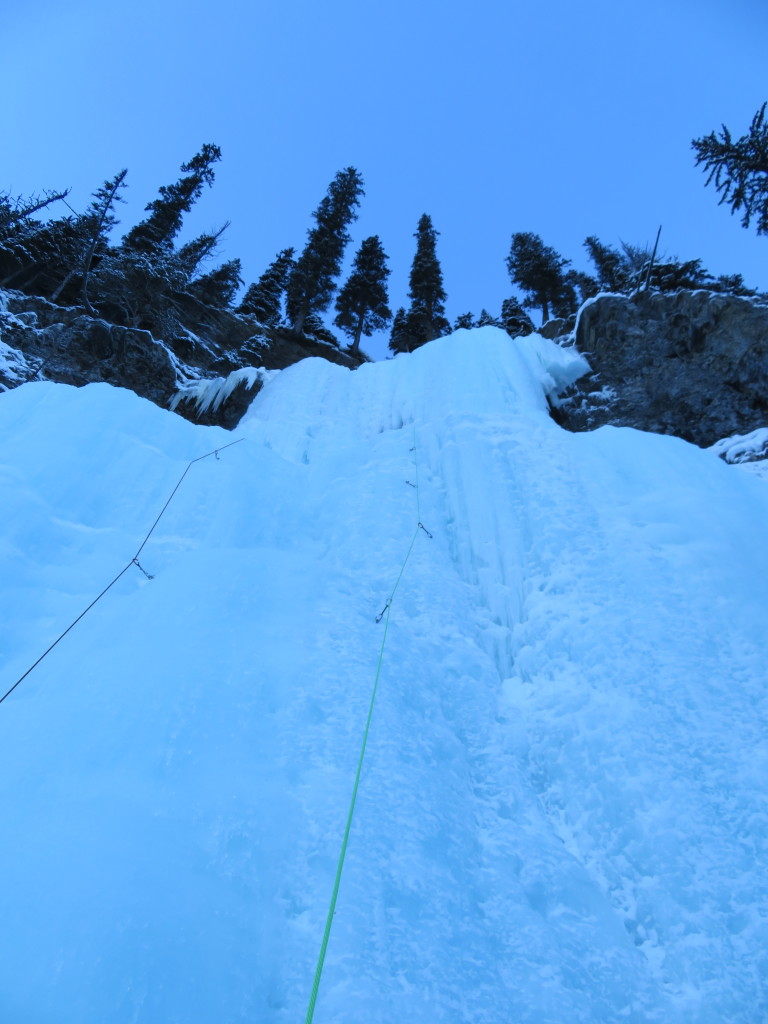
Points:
(263, 299)
(218, 287)
(25, 240)
(362, 302)
(155, 235)
(674, 276)
(15, 210)
(614, 273)
(312, 280)
(408, 331)
(733, 284)
(189, 257)
(538, 270)
(398, 337)
(585, 283)
(565, 301)
(739, 170)
(133, 290)
(465, 321)
(41, 254)
(316, 329)
(97, 222)
(137, 281)
(486, 320)
(426, 293)
(514, 319)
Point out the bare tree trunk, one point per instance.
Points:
(63, 285)
(6, 281)
(358, 334)
(298, 325)
(26, 269)
(653, 257)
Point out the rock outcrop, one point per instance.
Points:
(63, 344)
(694, 364)
(40, 340)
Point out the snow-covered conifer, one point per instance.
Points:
(263, 299)
(218, 287)
(312, 281)
(538, 270)
(464, 321)
(362, 302)
(166, 213)
(427, 293)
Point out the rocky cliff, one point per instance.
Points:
(693, 364)
(43, 341)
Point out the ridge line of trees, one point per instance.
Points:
(142, 280)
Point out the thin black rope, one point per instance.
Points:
(133, 561)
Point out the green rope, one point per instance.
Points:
(340, 865)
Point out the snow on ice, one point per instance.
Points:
(563, 811)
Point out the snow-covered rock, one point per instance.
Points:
(693, 364)
(40, 340)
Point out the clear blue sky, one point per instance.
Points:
(561, 118)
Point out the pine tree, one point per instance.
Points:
(315, 328)
(138, 280)
(486, 320)
(312, 280)
(189, 257)
(674, 276)
(465, 321)
(565, 302)
(24, 240)
(134, 290)
(398, 336)
(263, 299)
(15, 210)
(407, 331)
(362, 302)
(739, 170)
(514, 319)
(625, 270)
(96, 224)
(538, 270)
(426, 293)
(155, 235)
(618, 270)
(638, 259)
(585, 283)
(41, 254)
(613, 271)
(733, 284)
(218, 287)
